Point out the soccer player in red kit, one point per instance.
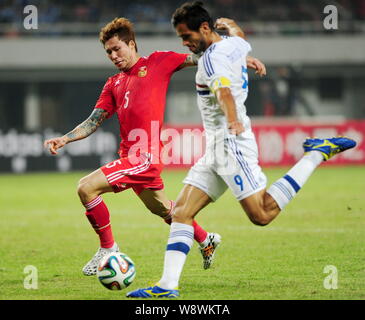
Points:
(137, 95)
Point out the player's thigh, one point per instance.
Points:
(189, 202)
(94, 183)
(156, 201)
(204, 177)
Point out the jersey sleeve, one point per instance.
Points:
(169, 61)
(218, 65)
(106, 99)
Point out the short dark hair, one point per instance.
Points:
(193, 15)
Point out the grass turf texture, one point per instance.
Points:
(43, 224)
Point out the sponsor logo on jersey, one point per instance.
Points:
(142, 72)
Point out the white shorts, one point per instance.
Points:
(233, 164)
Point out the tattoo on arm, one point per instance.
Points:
(194, 58)
(191, 60)
(89, 126)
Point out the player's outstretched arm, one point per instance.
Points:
(82, 131)
(230, 26)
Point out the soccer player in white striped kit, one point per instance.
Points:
(222, 87)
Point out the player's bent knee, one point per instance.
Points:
(81, 191)
(85, 190)
(260, 222)
(181, 215)
(259, 219)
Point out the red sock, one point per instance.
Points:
(199, 233)
(98, 215)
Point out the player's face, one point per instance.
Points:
(122, 55)
(194, 40)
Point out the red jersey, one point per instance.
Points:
(138, 96)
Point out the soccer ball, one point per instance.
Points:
(116, 271)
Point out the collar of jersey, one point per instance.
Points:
(136, 65)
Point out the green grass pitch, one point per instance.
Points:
(43, 225)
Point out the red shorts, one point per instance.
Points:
(122, 175)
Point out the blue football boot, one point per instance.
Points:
(328, 147)
(153, 292)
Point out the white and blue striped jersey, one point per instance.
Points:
(229, 161)
(222, 65)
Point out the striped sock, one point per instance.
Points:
(98, 215)
(200, 235)
(285, 189)
(178, 246)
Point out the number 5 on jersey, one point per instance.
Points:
(126, 98)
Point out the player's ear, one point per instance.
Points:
(204, 27)
(132, 45)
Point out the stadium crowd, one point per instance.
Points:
(159, 11)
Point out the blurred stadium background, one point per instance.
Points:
(50, 77)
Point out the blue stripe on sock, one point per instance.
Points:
(182, 233)
(178, 246)
(292, 182)
(283, 189)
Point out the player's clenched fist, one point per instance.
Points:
(54, 144)
(235, 127)
(256, 64)
(229, 25)
(225, 23)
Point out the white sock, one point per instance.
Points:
(178, 246)
(205, 242)
(285, 189)
(113, 248)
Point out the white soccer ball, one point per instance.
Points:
(116, 271)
